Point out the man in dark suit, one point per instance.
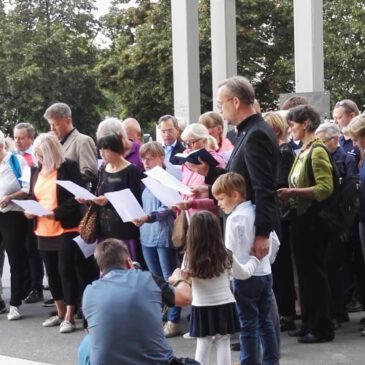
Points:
(255, 157)
(170, 134)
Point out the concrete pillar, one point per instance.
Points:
(224, 45)
(308, 45)
(185, 47)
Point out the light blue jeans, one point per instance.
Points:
(162, 261)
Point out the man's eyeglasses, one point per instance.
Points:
(220, 104)
(190, 143)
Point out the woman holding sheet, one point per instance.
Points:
(117, 174)
(55, 232)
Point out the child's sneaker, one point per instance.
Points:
(171, 329)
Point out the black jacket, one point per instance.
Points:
(178, 148)
(68, 209)
(256, 156)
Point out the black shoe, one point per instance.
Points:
(235, 346)
(48, 303)
(2, 307)
(34, 296)
(310, 337)
(362, 321)
(287, 325)
(354, 306)
(298, 333)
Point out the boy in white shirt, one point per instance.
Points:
(254, 296)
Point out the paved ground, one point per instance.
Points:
(26, 342)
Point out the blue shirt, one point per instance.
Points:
(345, 162)
(349, 148)
(123, 311)
(158, 232)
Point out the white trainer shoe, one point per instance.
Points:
(67, 327)
(13, 313)
(52, 322)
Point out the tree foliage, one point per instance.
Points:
(344, 48)
(47, 56)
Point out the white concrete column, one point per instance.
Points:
(308, 45)
(185, 47)
(224, 45)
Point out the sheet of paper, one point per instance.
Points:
(174, 170)
(87, 249)
(126, 205)
(32, 207)
(159, 174)
(164, 194)
(76, 190)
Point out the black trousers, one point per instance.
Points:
(67, 268)
(309, 248)
(13, 229)
(283, 274)
(34, 271)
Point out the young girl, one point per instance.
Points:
(209, 264)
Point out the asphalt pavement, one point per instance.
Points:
(26, 342)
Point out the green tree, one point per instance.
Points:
(49, 56)
(344, 40)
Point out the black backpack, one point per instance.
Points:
(338, 212)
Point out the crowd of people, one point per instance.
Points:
(272, 172)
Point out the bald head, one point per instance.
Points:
(132, 129)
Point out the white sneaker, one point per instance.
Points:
(13, 313)
(172, 329)
(67, 327)
(186, 336)
(52, 322)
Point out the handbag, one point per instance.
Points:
(180, 229)
(89, 227)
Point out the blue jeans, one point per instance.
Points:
(162, 261)
(254, 304)
(83, 353)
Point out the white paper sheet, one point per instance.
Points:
(87, 249)
(32, 207)
(159, 174)
(76, 190)
(126, 205)
(174, 170)
(164, 194)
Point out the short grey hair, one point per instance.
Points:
(195, 130)
(30, 129)
(58, 110)
(240, 87)
(110, 126)
(166, 118)
(329, 129)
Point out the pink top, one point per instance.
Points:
(193, 179)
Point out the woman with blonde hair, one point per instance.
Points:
(55, 232)
(283, 267)
(195, 137)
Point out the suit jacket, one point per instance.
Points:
(68, 209)
(81, 149)
(255, 157)
(178, 148)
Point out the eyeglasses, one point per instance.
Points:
(190, 143)
(220, 104)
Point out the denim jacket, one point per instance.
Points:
(157, 232)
